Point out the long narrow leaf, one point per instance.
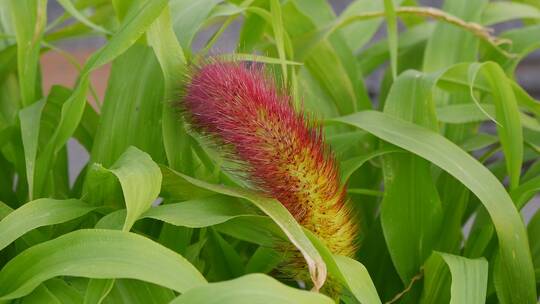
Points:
(135, 23)
(29, 17)
(252, 288)
(38, 213)
(279, 214)
(97, 254)
(517, 270)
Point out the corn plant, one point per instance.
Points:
(270, 173)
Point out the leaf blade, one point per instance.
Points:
(96, 253)
(38, 213)
(514, 248)
(279, 214)
(251, 288)
(468, 277)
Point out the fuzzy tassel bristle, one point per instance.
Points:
(283, 155)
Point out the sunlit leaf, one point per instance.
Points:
(97, 254)
(252, 288)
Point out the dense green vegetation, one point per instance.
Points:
(449, 139)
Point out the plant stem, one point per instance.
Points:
(478, 30)
(417, 277)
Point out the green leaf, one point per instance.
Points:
(199, 213)
(349, 273)
(97, 290)
(30, 118)
(253, 28)
(132, 108)
(224, 260)
(63, 291)
(329, 61)
(465, 113)
(497, 12)
(263, 260)
(176, 140)
(251, 288)
(168, 50)
(349, 166)
(41, 295)
(408, 182)
(329, 71)
(534, 238)
(97, 254)
(70, 8)
(121, 7)
(524, 99)
(140, 179)
(507, 114)
(522, 194)
(4, 210)
(478, 141)
(377, 53)
(179, 189)
(137, 20)
(137, 292)
(29, 17)
(86, 132)
(517, 271)
(39, 213)
(54, 291)
(279, 214)
(522, 44)
(257, 58)
(468, 112)
(259, 230)
(358, 34)
(8, 63)
(506, 96)
(438, 55)
(195, 213)
(392, 34)
(188, 17)
(277, 26)
(358, 280)
(468, 279)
